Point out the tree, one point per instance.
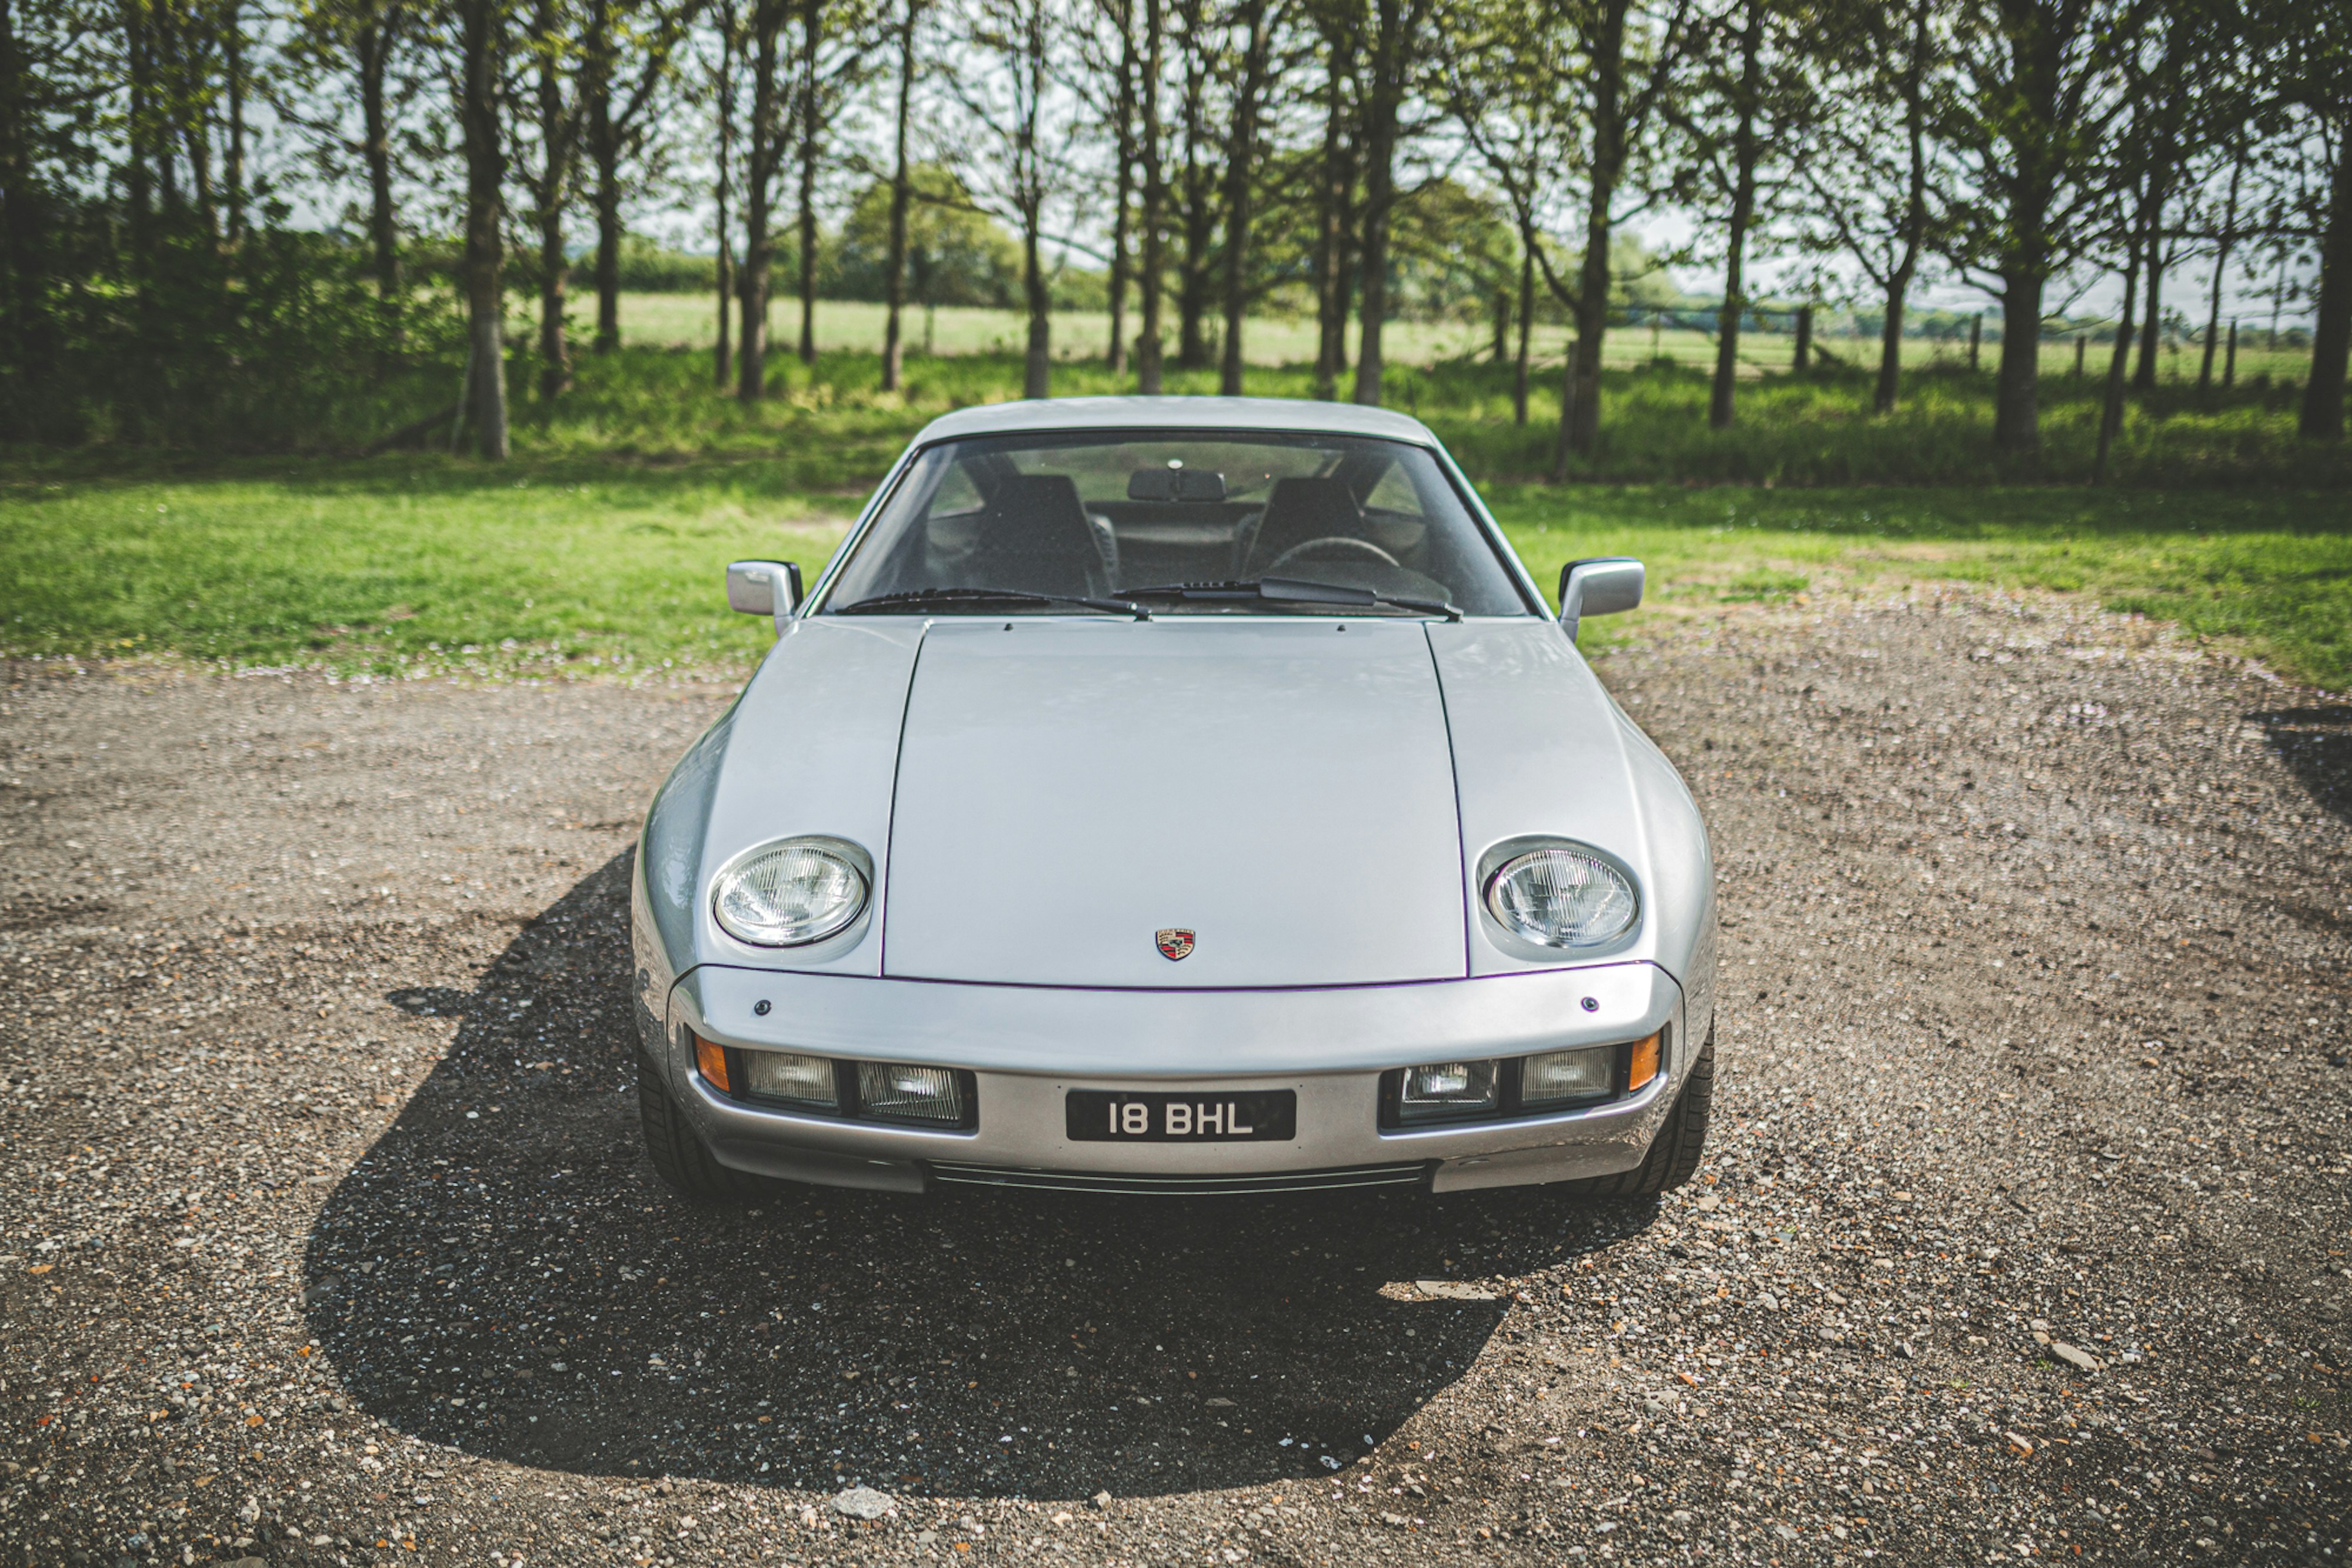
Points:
(360, 40)
(1335, 268)
(1256, 21)
(1013, 174)
(481, 91)
(764, 150)
(627, 60)
(1728, 119)
(1867, 164)
(1120, 14)
(723, 90)
(2308, 54)
(893, 348)
(1515, 108)
(1629, 60)
(834, 44)
(2036, 91)
(1392, 65)
(556, 59)
(1155, 203)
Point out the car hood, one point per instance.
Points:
(1279, 793)
(1040, 797)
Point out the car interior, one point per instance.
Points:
(1096, 519)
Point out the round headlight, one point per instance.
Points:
(790, 893)
(1562, 898)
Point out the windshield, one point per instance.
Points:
(1096, 515)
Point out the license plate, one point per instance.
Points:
(1214, 1117)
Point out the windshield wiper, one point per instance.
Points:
(917, 597)
(1289, 591)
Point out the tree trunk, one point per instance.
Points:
(371, 52)
(2017, 394)
(371, 57)
(2331, 336)
(1527, 320)
(139, 137)
(233, 68)
(1155, 198)
(555, 152)
(2111, 409)
(2229, 360)
(1199, 213)
(811, 117)
(1392, 49)
(1333, 265)
(24, 262)
(2144, 377)
(1241, 167)
(1029, 175)
(1116, 361)
(1580, 410)
(1744, 152)
(895, 285)
(751, 281)
(481, 47)
(2214, 311)
(1888, 392)
(1037, 366)
(604, 147)
(721, 355)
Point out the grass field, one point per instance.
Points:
(688, 321)
(832, 427)
(599, 545)
(561, 565)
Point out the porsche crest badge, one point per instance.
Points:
(1175, 943)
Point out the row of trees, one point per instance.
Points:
(264, 169)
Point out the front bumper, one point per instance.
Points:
(1028, 1046)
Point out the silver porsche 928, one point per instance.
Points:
(1184, 795)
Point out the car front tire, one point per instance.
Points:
(680, 1157)
(1674, 1152)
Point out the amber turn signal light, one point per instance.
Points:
(1644, 1065)
(712, 1060)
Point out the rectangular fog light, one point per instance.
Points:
(1448, 1091)
(1559, 1076)
(897, 1092)
(789, 1076)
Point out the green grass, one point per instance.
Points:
(413, 566)
(688, 321)
(600, 545)
(2268, 572)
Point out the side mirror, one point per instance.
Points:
(1602, 585)
(770, 588)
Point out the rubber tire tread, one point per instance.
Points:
(1674, 1152)
(680, 1157)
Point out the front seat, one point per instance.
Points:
(1297, 511)
(1033, 537)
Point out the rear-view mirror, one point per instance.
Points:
(1599, 585)
(770, 588)
(1175, 485)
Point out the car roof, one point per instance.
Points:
(1176, 414)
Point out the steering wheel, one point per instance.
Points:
(1339, 545)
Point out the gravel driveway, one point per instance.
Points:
(325, 1236)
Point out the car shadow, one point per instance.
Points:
(2316, 743)
(503, 1274)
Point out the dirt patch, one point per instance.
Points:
(2025, 1228)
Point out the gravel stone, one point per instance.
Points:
(862, 1502)
(317, 1133)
